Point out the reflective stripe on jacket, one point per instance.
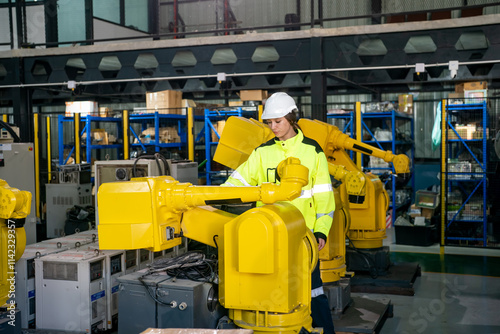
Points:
(316, 202)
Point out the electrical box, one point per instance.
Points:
(114, 268)
(179, 303)
(124, 170)
(25, 270)
(71, 291)
(131, 260)
(184, 170)
(25, 280)
(73, 173)
(60, 198)
(17, 167)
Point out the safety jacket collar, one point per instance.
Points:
(290, 143)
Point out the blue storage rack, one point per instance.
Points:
(397, 146)
(210, 116)
(87, 120)
(464, 220)
(158, 120)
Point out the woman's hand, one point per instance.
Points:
(321, 243)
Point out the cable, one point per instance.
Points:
(11, 131)
(148, 289)
(157, 157)
(192, 265)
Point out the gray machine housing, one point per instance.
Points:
(179, 303)
(60, 198)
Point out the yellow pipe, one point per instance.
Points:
(359, 133)
(49, 151)
(5, 118)
(443, 171)
(190, 133)
(76, 117)
(37, 165)
(125, 135)
(260, 109)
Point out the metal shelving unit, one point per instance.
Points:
(392, 122)
(345, 123)
(213, 116)
(157, 120)
(87, 129)
(464, 171)
(401, 140)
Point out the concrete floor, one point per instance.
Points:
(460, 295)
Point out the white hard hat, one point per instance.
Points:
(278, 105)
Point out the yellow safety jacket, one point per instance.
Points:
(316, 202)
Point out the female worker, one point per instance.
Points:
(316, 202)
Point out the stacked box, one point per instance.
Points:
(165, 102)
(84, 108)
(219, 126)
(405, 103)
(253, 95)
(473, 85)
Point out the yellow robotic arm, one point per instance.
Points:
(266, 255)
(242, 135)
(332, 139)
(15, 206)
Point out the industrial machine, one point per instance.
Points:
(80, 276)
(177, 303)
(25, 272)
(367, 229)
(61, 197)
(266, 254)
(16, 206)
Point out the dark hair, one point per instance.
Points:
(291, 117)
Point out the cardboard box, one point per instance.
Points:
(472, 85)
(167, 134)
(415, 211)
(235, 103)
(84, 108)
(428, 213)
(456, 95)
(405, 103)
(165, 102)
(99, 137)
(104, 112)
(219, 127)
(475, 96)
(253, 95)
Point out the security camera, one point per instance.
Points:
(453, 74)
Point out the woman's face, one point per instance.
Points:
(281, 128)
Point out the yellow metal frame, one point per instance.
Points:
(36, 145)
(49, 148)
(126, 137)
(190, 133)
(443, 171)
(76, 118)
